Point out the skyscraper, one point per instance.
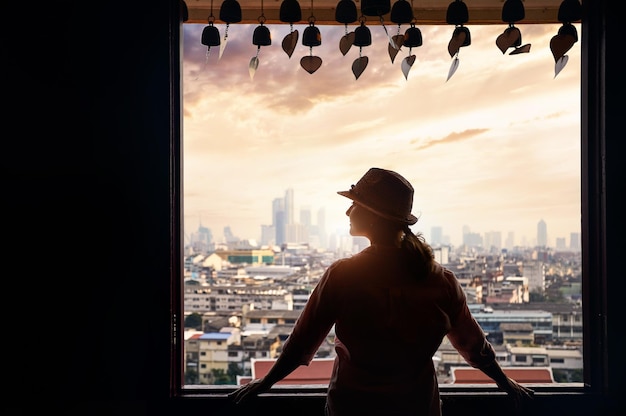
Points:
(321, 227)
(305, 216)
(542, 234)
(278, 219)
(289, 216)
(574, 241)
(436, 236)
(510, 240)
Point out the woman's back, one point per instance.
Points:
(385, 308)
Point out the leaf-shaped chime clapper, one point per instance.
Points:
(290, 12)
(230, 12)
(345, 13)
(401, 13)
(569, 11)
(362, 37)
(453, 67)
(412, 39)
(260, 37)
(407, 63)
(457, 15)
(311, 37)
(512, 11)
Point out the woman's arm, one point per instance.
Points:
(518, 393)
(281, 369)
(310, 329)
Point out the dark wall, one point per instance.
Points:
(87, 205)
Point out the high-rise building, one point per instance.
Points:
(542, 234)
(305, 216)
(493, 239)
(574, 241)
(436, 236)
(510, 240)
(278, 220)
(321, 227)
(229, 236)
(296, 233)
(281, 228)
(289, 216)
(268, 235)
(472, 239)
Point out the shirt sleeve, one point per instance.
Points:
(465, 333)
(315, 321)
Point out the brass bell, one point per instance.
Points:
(311, 36)
(346, 12)
(261, 36)
(412, 37)
(570, 11)
(375, 7)
(513, 11)
(362, 36)
(457, 13)
(290, 11)
(210, 36)
(401, 12)
(230, 11)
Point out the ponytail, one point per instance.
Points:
(419, 254)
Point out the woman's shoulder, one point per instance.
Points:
(443, 274)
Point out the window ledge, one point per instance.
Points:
(312, 390)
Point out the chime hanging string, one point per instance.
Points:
(391, 42)
(211, 20)
(311, 20)
(261, 21)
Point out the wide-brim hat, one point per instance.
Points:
(386, 193)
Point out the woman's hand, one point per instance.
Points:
(518, 393)
(247, 391)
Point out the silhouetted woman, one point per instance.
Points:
(391, 305)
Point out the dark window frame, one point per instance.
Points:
(593, 233)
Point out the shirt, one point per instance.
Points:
(388, 325)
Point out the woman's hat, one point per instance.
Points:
(386, 193)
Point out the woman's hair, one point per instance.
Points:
(419, 253)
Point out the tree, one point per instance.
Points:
(536, 296)
(194, 321)
(220, 377)
(234, 370)
(191, 376)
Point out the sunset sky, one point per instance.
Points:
(495, 148)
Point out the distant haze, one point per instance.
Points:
(495, 148)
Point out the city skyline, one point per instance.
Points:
(436, 235)
(496, 147)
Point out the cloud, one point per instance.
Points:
(496, 146)
(452, 138)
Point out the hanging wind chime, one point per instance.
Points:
(457, 15)
(412, 39)
(290, 12)
(311, 37)
(230, 12)
(512, 11)
(345, 13)
(401, 13)
(210, 34)
(569, 11)
(260, 37)
(379, 8)
(362, 37)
